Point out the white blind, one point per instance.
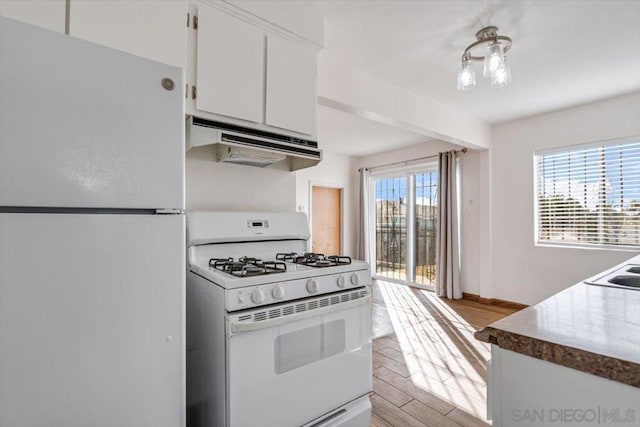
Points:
(589, 196)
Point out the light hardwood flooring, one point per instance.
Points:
(428, 368)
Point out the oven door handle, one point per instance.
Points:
(238, 327)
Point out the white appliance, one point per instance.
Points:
(92, 235)
(274, 337)
(246, 146)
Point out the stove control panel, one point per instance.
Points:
(272, 293)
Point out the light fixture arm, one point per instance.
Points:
(486, 36)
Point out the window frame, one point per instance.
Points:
(536, 207)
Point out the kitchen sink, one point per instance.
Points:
(632, 281)
(627, 277)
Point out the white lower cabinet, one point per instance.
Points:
(49, 14)
(153, 29)
(525, 391)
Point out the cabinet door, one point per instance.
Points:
(85, 126)
(230, 70)
(49, 14)
(152, 29)
(93, 336)
(291, 86)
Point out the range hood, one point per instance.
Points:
(245, 146)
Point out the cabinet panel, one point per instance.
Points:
(149, 28)
(80, 124)
(291, 86)
(49, 14)
(230, 66)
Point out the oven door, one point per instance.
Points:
(292, 363)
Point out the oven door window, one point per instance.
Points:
(299, 348)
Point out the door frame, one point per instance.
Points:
(326, 185)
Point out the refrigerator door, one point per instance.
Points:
(92, 320)
(86, 126)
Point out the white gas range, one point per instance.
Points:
(275, 336)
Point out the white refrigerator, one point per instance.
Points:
(92, 262)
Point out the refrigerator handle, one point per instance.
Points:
(169, 211)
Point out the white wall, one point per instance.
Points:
(521, 271)
(219, 186)
(471, 193)
(334, 170)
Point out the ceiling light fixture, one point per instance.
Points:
(490, 48)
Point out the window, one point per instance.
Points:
(589, 196)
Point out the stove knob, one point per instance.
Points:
(277, 292)
(312, 286)
(341, 281)
(257, 296)
(355, 280)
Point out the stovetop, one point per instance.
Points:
(246, 266)
(245, 271)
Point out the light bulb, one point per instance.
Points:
(493, 60)
(466, 75)
(502, 76)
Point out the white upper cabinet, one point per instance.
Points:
(49, 14)
(291, 86)
(230, 66)
(153, 29)
(249, 69)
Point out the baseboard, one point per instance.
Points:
(493, 301)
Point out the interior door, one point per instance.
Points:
(326, 219)
(91, 320)
(87, 126)
(230, 66)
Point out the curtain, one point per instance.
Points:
(363, 249)
(448, 248)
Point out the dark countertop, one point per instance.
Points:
(594, 329)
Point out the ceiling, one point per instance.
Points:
(564, 52)
(349, 134)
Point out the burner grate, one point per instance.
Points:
(315, 260)
(247, 266)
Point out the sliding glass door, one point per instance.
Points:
(406, 210)
(426, 218)
(391, 227)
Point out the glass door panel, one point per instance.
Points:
(425, 230)
(391, 227)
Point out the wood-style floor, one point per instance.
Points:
(428, 368)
